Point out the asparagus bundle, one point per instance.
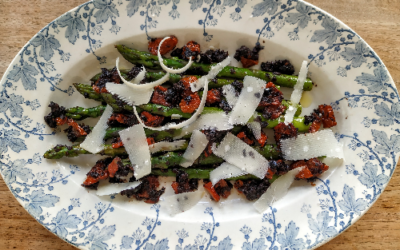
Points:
(164, 161)
(151, 61)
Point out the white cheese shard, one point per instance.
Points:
(255, 127)
(114, 188)
(94, 141)
(135, 84)
(230, 94)
(214, 121)
(179, 203)
(135, 143)
(297, 92)
(198, 142)
(249, 98)
(135, 93)
(202, 81)
(167, 146)
(276, 191)
(311, 145)
(169, 70)
(130, 95)
(225, 171)
(238, 153)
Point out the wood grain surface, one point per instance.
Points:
(377, 21)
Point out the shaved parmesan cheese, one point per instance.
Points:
(136, 82)
(198, 142)
(311, 145)
(135, 93)
(173, 125)
(276, 191)
(225, 171)
(249, 98)
(167, 146)
(115, 188)
(94, 142)
(297, 92)
(216, 120)
(135, 143)
(169, 70)
(130, 95)
(230, 94)
(180, 203)
(138, 78)
(202, 81)
(255, 127)
(238, 153)
(176, 116)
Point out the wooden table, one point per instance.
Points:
(377, 21)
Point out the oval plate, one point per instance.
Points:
(348, 75)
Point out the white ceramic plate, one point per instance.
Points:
(348, 74)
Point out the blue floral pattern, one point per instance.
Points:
(38, 68)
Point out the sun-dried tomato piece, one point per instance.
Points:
(210, 189)
(315, 126)
(272, 96)
(244, 138)
(213, 96)
(223, 188)
(191, 49)
(263, 139)
(246, 56)
(151, 120)
(175, 186)
(312, 169)
(61, 121)
(190, 103)
(117, 143)
(208, 150)
(323, 115)
(146, 191)
(113, 167)
(150, 140)
(159, 96)
(73, 134)
(273, 112)
(168, 45)
(270, 174)
(283, 131)
(57, 111)
(247, 63)
(305, 173)
(327, 116)
(76, 127)
(118, 119)
(186, 81)
(316, 167)
(97, 172)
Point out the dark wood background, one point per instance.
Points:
(377, 21)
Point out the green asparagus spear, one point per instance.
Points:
(151, 61)
(198, 173)
(157, 135)
(168, 111)
(60, 151)
(163, 161)
(80, 113)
